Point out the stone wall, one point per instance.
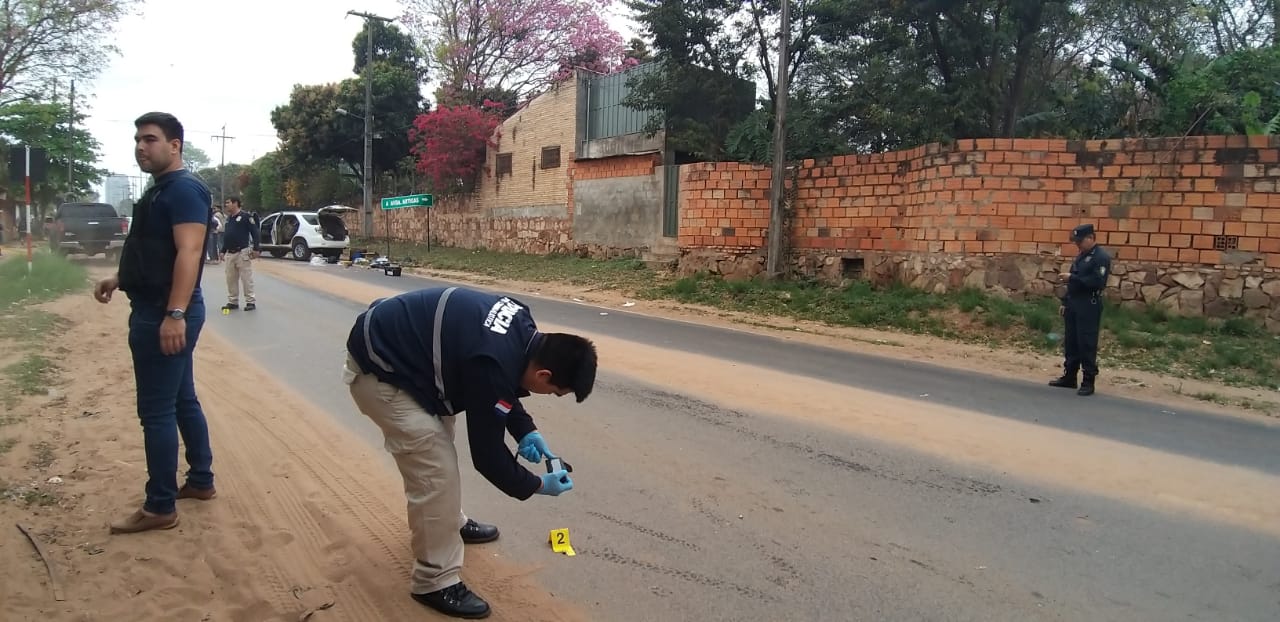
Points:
(461, 222)
(1170, 211)
(1184, 289)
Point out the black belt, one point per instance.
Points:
(235, 250)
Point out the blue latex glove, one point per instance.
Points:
(555, 483)
(533, 448)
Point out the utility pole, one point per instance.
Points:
(222, 166)
(367, 177)
(774, 259)
(71, 126)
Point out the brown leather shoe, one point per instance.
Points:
(189, 492)
(143, 520)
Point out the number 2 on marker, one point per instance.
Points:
(559, 539)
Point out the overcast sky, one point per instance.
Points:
(227, 62)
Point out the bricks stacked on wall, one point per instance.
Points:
(1196, 204)
(1154, 199)
(620, 166)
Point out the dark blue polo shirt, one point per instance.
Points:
(183, 199)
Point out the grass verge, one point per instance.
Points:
(51, 276)
(1236, 351)
(32, 375)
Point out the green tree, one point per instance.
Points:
(314, 134)
(47, 40)
(1228, 96)
(699, 85)
(213, 177)
(262, 184)
(194, 157)
(45, 125)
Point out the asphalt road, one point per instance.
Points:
(685, 510)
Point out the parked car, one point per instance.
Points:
(88, 228)
(301, 234)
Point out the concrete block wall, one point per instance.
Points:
(617, 207)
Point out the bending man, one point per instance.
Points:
(416, 360)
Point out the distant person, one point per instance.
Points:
(215, 234)
(2, 238)
(416, 360)
(1081, 311)
(160, 269)
(239, 247)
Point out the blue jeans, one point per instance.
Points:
(167, 406)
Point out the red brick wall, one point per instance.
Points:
(620, 166)
(1152, 200)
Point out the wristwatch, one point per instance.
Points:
(177, 314)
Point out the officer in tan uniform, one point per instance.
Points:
(239, 248)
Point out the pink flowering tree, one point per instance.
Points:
(516, 47)
(449, 144)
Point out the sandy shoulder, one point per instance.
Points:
(306, 514)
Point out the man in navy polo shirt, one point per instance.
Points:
(160, 269)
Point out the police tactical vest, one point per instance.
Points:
(146, 261)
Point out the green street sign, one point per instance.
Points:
(413, 200)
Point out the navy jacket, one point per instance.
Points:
(455, 350)
(1089, 273)
(240, 231)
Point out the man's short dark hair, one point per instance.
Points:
(571, 360)
(235, 200)
(169, 125)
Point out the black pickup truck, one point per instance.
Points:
(88, 228)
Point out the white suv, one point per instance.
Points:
(300, 234)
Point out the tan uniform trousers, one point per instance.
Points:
(240, 270)
(422, 445)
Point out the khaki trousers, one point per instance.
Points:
(422, 445)
(240, 270)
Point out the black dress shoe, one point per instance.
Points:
(230, 306)
(478, 533)
(456, 601)
(250, 307)
(1065, 382)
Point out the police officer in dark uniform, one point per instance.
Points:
(239, 248)
(1082, 310)
(416, 360)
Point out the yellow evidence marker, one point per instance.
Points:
(226, 311)
(560, 542)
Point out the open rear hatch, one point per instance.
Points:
(331, 224)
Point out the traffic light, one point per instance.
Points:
(18, 164)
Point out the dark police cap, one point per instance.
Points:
(1081, 232)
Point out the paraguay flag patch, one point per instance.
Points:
(503, 407)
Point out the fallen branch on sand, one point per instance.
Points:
(53, 578)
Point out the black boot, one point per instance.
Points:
(456, 601)
(1067, 381)
(1086, 387)
(478, 533)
